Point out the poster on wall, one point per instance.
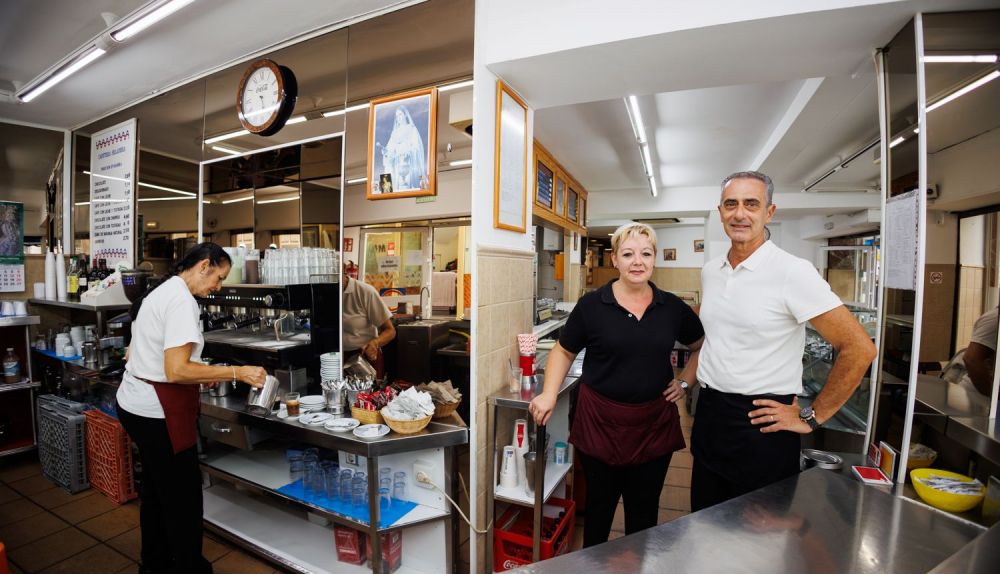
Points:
(510, 166)
(402, 160)
(901, 233)
(11, 246)
(112, 197)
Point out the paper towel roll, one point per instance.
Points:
(50, 276)
(61, 286)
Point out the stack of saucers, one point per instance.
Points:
(329, 366)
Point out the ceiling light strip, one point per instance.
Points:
(228, 201)
(145, 18)
(964, 90)
(60, 75)
(961, 59)
(639, 130)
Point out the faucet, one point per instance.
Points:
(424, 315)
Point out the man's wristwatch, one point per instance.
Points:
(684, 384)
(808, 416)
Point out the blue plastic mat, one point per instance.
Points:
(388, 517)
(53, 354)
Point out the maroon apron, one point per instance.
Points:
(624, 434)
(181, 405)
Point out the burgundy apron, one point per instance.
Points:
(624, 434)
(181, 405)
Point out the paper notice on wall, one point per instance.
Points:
(388, 263)
(11, 246)
(112, 199)
(900, 236)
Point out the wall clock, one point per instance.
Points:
(266, 97)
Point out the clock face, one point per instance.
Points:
(261, 96)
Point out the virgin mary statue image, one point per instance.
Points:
(403, 155)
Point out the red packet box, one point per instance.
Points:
(351, 545)
(871, 475)
(392, 551)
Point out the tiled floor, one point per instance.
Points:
(47, 530)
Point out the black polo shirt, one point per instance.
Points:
(628, 360)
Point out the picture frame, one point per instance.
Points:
(670, 255)
(402, 145)
(699, 245)
(510, 161)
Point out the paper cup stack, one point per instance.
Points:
(329, 366)
(527, 343)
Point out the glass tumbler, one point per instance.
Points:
(384, 472)
(331, 475)
(313, 479)
(399, 490)
(358, 496)
(296, 468)
(384, 499)
(345, 485)
(385, 483)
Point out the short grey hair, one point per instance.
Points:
(761, 177)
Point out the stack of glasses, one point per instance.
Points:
(324, 479)
(297, 265)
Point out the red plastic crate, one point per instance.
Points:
(512, 534)
(109, 457)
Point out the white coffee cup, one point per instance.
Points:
(20, 308)
(39, 290)
(7, 309)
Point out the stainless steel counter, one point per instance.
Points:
(980, 555)
(233, 409)
(818, 521)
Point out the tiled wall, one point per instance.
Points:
(505, 289)
(970, 303)
(574, 283)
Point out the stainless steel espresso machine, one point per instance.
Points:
(283, 328)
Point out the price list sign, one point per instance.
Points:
(112, 194)
(11, 246)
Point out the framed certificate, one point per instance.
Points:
(510, 161)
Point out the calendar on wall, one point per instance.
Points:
(11, 246)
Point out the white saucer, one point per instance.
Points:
(312, 400)
(314, 419)
(371, 432)
(283, 415)
(342, 425)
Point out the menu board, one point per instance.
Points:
(543, 185)
(11, 246)
(572, 208)
(112, 198)
(902, 216)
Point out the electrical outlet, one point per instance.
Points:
(422, 466)
(352, 459)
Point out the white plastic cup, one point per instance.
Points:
(39, 290)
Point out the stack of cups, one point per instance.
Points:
(50, 276)
(508, 468)
(63, 341)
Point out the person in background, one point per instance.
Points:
(158, 404)
(756, 301)
(980, 355)
(367, 322)
(626, 425)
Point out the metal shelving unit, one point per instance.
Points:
(9, 391)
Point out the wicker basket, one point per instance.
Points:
(407, 427)
(367, 417)
(442, 411)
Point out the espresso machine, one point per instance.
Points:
(283, 328)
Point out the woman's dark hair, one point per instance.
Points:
(215, 254)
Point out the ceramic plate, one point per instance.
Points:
(312, 400)
(370, 432)
(315, 419)
(342, 425)
(283, 415)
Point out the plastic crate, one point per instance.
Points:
(62, 447)
(109, 457)
(512, 536)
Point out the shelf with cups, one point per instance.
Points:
(258, 477)
(19, 321)
(79, 306)
(17, 407)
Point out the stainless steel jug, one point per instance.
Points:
(261, 399)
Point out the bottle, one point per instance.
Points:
(81, 275)
(73, 280)
(11, 367)
(105, 270)
(94, 277)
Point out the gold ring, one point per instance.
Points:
(772, 418)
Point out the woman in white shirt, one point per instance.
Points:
(158, 403)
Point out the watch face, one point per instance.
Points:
(806, 413)
(261, 96)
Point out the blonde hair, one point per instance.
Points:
(632, 230)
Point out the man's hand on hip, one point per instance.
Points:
(773, 416)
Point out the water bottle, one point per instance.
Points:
(11, 367)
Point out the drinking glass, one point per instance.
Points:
(358, 496)
(330, 476)
(314, 484)
(296, 468)
(345, 485)
(384, 472)
(384, 499)
(385, 482)
(514, 384)
(292, 404)
(399, 490)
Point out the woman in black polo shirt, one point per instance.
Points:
(626, 426)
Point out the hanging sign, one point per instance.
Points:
(112, 196)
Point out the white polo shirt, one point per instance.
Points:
(755, 321)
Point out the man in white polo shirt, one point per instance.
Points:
(756, 302)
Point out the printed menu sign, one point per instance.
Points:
(11, 246)
(112, 197)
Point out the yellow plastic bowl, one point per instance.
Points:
(944, 500)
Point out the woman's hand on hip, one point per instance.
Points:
(674, 392)
(541, 408)
(253, 376)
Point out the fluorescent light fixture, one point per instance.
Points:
(82, 203)
(279, 200)
(897, 141)
(228, 201)
(295, 120)
(227, 136)
(165, 198)
(964, 90)
(646, 160)
(652, 185)
(170, 189)
(636, 116)
(149, 18)
(225, 149)
(357, 180)
(62, 74)
(455, 86)
(916, 130)
(639, 130)
(363, 106)
(459, 162)
(962, 59)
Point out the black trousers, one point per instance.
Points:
(639, 485)
(170, 512)
(731, 456)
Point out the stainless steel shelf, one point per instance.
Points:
(78, 306)
(521, 400)
(24, 384)
(19, 321)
